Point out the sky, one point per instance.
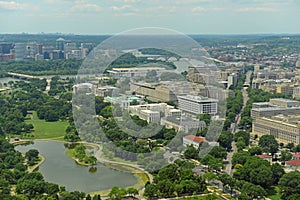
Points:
(97, 17)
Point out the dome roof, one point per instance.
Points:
(60, 39)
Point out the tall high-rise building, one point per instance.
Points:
(70, 46)
(20, 51)
(31, 50)
(60, 44)
(5, 48)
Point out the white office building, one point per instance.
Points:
(196, 105)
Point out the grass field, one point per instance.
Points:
(46, 130)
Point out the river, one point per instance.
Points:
(62, 170)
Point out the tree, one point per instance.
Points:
(289, 184)
(117, 193)
(191, 152)
(253, 191)
(226, 139)
(255, 151)
(51, 116)
(132, 191)
(206, 118)
(32, 156)
(244, 134)
(52, 189)
(165, 188)
(208, 176)
(227, 180)
(290, 146)
(215, 164)
(150, 191)
(285, 156)
(97, 197)
(218, 152)
(277, 173)
(240, 158)
(269, 142)
(240, 144)
(88, 197)
(243, 196)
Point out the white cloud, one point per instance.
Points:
(11, 5)
(256, 9)
(199, 9)
(162, 9)
(131, 1)
(125, 8)
(85, 7)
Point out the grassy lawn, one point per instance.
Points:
(46, 130)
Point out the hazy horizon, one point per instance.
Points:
(208, 17)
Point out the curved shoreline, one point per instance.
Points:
(37, 165)
(98, 154)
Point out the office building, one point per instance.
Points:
(296, 92)
(287, 103)
(5, 48)
(232, 80)
(285, 129)
(286, 89)
(134, 72)
(57, 54)
(60, 44)
(182, 123)
(20, 51)
(274, 107)
(196, 105)
(158, 110)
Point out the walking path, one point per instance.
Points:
(37, 165)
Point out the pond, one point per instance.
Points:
(62, 170)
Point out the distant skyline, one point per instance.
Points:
(96, 17)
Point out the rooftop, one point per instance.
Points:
(264, 156)
(284, 100)
(274, 108)
(60, 39)
(296, 155)
(281, 122)
(195, 138)
(197, 98)
(137, 68)
(293, 162)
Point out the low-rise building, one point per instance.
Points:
(294, 164)
(150, 116)
(184, 124)
(158, 110)
(193, 140)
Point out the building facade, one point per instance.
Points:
(284, 132)
(196, 105)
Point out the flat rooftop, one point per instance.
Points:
(200, 99)
(284, 100)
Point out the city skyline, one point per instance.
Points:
(189, 17)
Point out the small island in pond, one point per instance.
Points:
(78, 153)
